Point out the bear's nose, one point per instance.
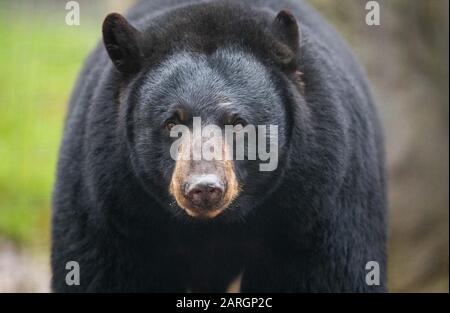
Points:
(204, 192)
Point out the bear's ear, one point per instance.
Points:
(286, 31)
(121, 41)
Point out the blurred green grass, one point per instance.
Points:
(40, 57)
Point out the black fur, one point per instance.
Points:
(309, 226)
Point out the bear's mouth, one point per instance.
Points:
(206, 195)
(206, 203)
(203, 214)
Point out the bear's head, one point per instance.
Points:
(206, 94)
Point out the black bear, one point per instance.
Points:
(136, 218)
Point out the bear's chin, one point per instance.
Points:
(204, 215)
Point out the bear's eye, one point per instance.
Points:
(170, 123)
(237, 121)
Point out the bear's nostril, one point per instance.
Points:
(205, 194)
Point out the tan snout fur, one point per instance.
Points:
(224, 169)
